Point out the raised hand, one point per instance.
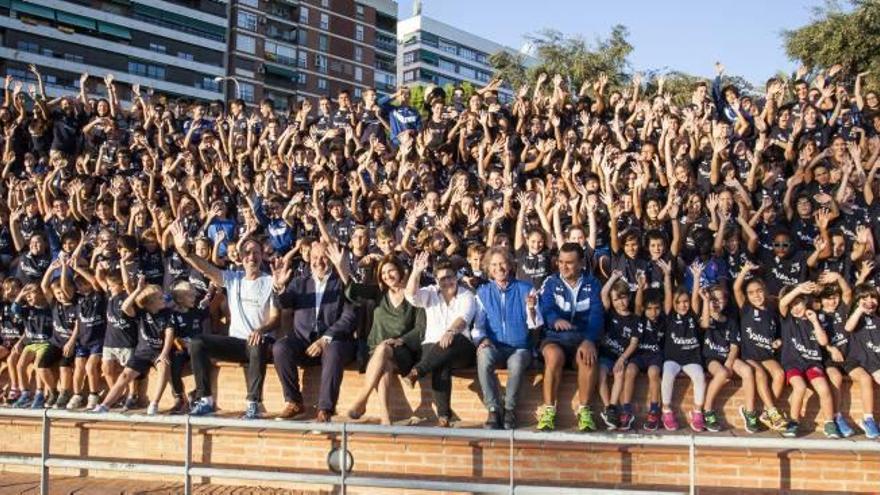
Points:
(281, 273)
(420, 262)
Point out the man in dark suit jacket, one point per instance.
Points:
(323, 325)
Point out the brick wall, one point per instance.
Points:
(607, 466)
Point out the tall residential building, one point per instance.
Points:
(175, 47)
(288, 50)
(432, 52)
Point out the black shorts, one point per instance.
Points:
(54, 355)
(845, 367)
(142, 360)
(645, 360)
(569, 348)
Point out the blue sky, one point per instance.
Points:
(686, 35)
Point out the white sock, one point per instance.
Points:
(868, 416)
(208, 400)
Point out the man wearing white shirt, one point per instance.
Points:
(449, 310)
(252, 318)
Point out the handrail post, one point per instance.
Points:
(510, 464)
(187, 460)
(343, 458)
(692, 465)
(44, 453)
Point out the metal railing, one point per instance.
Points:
(345, 478)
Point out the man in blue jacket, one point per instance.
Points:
(573, 315)
(401, 117)
(506, 312)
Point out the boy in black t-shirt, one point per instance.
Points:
(31, 310)
(619, 341)
(60, 296)
(802, 341)
(648, 358)
(91, 312)
(155, 341)
(120, 336)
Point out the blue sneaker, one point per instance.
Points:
(870, 428)
(843, 427)
(202, 408)
(39, 401)
(252, 411)
(23, 402)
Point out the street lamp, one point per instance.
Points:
(219, 79)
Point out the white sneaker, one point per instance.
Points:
(93, 401)
(153, 409)
(75, 402)
(100, 409)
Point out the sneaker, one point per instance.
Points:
(869, 426)
(13, 396)
(51, 398)
(611, 418)
(652, 421)
(202, 408)
(493, 421)
(791, 429)
(547, 419)
(750, 420)
(711, 422)
(697, 421)
(626, 421)
(669, 421)
(75, 402)
(39, 401)
(23, 401)
(843, 426)
(509, 419)
(99, 409)
(830, 430)
(774, 420)
(585, 419)
(92, 401)
(129, 404)
(153, 409)
(63, 399)
(252, 411)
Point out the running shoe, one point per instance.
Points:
(547, 419)
(585, 419)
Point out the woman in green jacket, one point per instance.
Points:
(396, 333)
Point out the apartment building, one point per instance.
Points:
(175, 47)
(288, 50)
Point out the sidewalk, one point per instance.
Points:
(29, 484)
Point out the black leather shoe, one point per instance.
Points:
(493, 422)
(509, 420)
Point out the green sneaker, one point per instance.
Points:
(547, 419)
(585, 419)
(778, 420)
(710, 421)
(750, 419)
(830, 430)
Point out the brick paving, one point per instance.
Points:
(29, 484)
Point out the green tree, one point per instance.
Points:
(578, 60)
(417, 97)
(510, 67)
(837, 35)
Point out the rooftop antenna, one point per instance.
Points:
(417, 8)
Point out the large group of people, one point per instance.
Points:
(730, 237)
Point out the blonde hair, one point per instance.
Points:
(149, 291)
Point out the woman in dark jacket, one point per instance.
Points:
(396, 333)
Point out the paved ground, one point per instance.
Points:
(27, 484)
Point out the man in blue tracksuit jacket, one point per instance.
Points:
(506, 312)
(401, 117)
(574, 317)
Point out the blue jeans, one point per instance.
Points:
(517, 362)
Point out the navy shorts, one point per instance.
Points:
(644, 360)
(84, 351)
(568, 344)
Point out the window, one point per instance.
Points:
(73, 58)
(301, 78)
(250, 3)
(448, 66)
(323, 43)
(358, 74)
(409, 75)
(303, 59)
(303, 36)
(322, 84)
(467, 53)
(304, 15)
(409, 57)
(321, 63)
(247, 91)
(325, 4)
(209, 83)
(27, 46)
(448, 47)
(483, 76)
(185, 56)
(245, 44)
(158, 48)
(145, 69)
(467, 72)
(358, 54)
(358, 92)
(47, 52)
(325, 21)
(359, 32)
(247, 20)
(280, 53)
(359, 11)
